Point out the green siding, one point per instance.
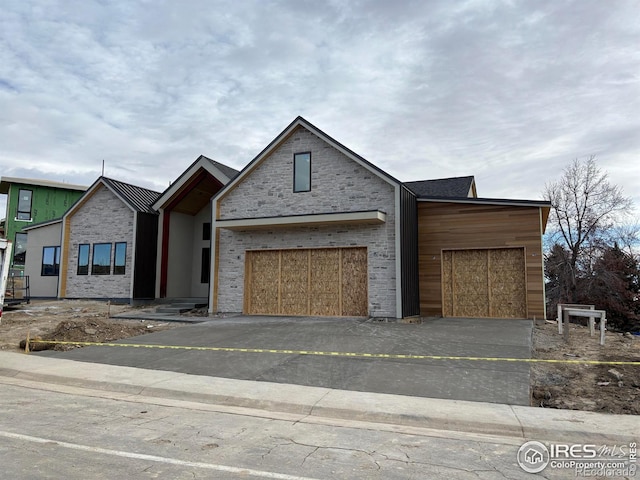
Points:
(47, 203)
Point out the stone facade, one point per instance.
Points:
(103, 218)
(338, 184)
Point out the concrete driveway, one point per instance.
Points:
(486, 381)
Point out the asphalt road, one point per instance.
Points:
(72, 433)
(486, 381)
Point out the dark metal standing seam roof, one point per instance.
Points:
(138, 198)
(228, 171)
(442, 187)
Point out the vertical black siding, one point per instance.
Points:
(409, 253)
(144, 275)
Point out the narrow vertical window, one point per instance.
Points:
(20, 251)
(120, 258)
(24, 205)
(83, 259)
(50, 261)
(206, 231)
(204, 266)
(101, 264)
(302, 172)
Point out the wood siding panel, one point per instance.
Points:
(263, 289)
(443, 226)
(294, 282)
(354, 282)
(323, 282)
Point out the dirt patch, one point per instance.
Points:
(71, 321)
(597, 388)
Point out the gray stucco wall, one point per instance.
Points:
(46, 236)
(104, 218)
(180, 254)
(199, 289)
(338, 184)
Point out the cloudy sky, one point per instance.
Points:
(510, 92)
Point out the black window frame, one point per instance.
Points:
(295, 167)
(205, 265)
(83, 269)
(56, 262)
(25, 212)
(116, 267)
(100, 269)
(20, 251)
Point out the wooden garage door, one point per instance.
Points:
(322, 281)
(484, 283)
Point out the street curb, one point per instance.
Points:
(453, 415)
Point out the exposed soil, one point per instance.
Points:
(597, 388)
(70, 321)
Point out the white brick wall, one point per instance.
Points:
(104, 218)
(338, 184)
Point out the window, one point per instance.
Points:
(20, 249)
(204, 266)
(24, 204)
(50, 261)
(206, 231)
(83, 259)
(120, 258)
(101, 259)
(302, 172)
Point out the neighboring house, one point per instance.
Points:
(184, 230)
(309, 227)
(32, 201)
(42, 265)
(108, 247)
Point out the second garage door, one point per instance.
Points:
(484, 283)
(320, 281)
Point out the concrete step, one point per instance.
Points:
(178, 308)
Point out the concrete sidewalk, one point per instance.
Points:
(472, 417)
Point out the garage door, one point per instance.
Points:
(484, 283)
(322, 281)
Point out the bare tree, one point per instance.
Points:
(585, 208)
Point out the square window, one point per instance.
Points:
(83, 259)
(101, 259)
(50, 261)
(302, 172)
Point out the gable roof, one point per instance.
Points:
(444, 187)
(228, 171)
(275, 143)
(219, 171)
(138, 198)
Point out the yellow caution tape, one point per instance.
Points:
(340, 354)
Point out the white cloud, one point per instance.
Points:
(508, 91)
